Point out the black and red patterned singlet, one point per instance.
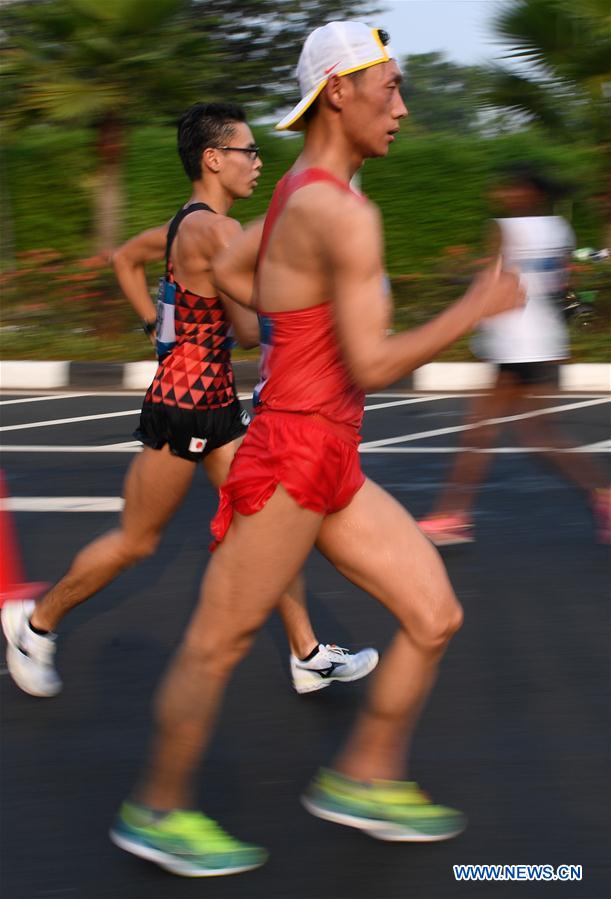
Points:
(197, 373)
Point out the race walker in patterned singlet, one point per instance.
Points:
(192, 403)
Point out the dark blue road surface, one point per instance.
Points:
(516, 733)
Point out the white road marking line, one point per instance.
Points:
(456, 429)
(371, 446)
(498, 450)
(571, 396)
(602, 446)
(131, 447)
(39, 399)
(82, 392)
(63, 503)
(62, 421)
(67, 421)
(407, 402)
(473, 393)
(91, 393)
(248, 394)
(389, 395)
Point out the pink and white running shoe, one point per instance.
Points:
(447, 530)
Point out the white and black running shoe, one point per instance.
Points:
(331, 663)
(29, 656)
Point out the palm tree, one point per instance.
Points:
(113, 64)
(564, 83)
(565, 46)
(106, 65)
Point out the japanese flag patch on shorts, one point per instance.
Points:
(197, 444)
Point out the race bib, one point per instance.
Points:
(166, 303)
(266, 332)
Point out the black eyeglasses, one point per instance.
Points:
(253, 152)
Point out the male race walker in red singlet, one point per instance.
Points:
(191, 413)
(296, 480)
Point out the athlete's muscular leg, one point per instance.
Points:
(543, 431)
(218, 462)
(255, 553)
(376, 544)
(155, 485)
(470, 468)
(293, 605)
(293, 610)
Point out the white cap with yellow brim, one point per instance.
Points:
(337, 48)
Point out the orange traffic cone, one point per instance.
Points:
(12, 583)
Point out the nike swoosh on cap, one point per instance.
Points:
(334, 66)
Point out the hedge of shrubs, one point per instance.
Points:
(431, 190)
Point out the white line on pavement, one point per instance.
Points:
(131, 447)
(63, 503)
(498, 450)
(456, 429)
(62, 421)
(39, 399)
(407, 402)
(67, 421)
(603, 447)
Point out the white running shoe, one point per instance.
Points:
(29, 656)
(331, 663)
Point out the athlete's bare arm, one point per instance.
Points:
(234, 267)
(363, 310)
(129, 263)
(243, 318)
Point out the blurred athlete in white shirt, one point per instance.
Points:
(527, 345)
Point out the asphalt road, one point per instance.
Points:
(516, 733)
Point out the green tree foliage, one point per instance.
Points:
(257, 42)
(565, 81)
(431, 189)
(110, 64)
(442, 95)
(104, 65)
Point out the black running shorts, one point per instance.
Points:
(532, 373)
(190, 433)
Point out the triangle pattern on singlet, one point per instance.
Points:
(197, 374)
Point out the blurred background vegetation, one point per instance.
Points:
(92, 91)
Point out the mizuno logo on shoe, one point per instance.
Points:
(325, 672)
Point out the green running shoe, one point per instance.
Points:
(385, 809)
(183, 842)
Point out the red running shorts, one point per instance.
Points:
(316, 461)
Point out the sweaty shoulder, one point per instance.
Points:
(226, 229)
(326, 206)
(209, 227)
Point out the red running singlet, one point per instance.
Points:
(308, 411)
(301, 366)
